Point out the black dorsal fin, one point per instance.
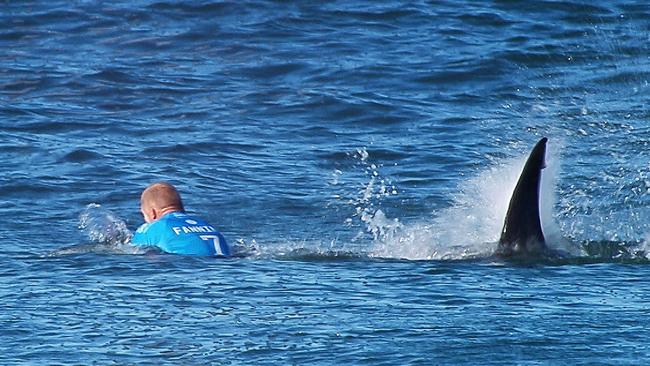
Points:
(522, 229)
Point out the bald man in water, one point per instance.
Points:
(169, 228)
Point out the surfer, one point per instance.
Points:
(170, 229)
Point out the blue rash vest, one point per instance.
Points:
(180, 233)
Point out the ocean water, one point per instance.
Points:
(358, 155)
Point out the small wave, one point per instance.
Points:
(374, 16)
(485, 19)
(114, 75)
(625, 78)
(81, 155)
(273, 70)
(53, 127)
(190, 8)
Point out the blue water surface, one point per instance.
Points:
(359, 156)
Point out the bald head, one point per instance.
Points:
(158, 199)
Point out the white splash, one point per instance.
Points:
(363, 199)
(102, 226)
(106, 232)
(642, 248)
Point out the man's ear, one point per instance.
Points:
(154, 214)
(149, 214)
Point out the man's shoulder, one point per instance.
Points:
(146, 234)
(143, 228)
